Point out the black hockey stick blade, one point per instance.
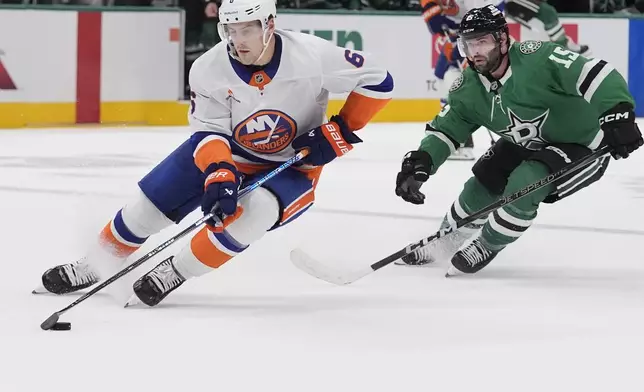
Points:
(50, 322)
(322, 271)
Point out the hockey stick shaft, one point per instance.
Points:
(322, 271)
(489, 133)
(521, 22)
(299, 156)
(505, 200)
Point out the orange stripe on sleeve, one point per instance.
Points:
(448, 49)
(206, 252)
(358, 110)
(108, 240)
(430, 13)
(212, 149)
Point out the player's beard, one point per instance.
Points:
(493, 61)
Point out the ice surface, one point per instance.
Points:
(560, 310)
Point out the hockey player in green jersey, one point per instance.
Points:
(524, 10)
(549, 105)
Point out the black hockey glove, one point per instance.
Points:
(416, 168)
(620, 130)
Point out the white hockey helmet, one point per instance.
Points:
(238, 11)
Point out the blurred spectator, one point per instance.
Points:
(618, 6)
(633, 7)
(391, 5)
(571, 6)
(201, 31)
(212, 9)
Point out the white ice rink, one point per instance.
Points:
(562, 309)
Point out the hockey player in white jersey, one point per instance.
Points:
(258, 97)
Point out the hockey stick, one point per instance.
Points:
(521, 22)
(489, 133)
(321, 270)
(52, 320)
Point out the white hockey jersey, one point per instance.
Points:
(253, 114)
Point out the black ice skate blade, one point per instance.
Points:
(47, 293)
(134, 302)
(426, 265)
(40, 290)
(453, 272)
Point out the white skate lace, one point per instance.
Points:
(422, 253)
(475, 253)
(165, 277)
(443, 247)
(79, 274)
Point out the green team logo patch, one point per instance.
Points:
(529, 47)
(456, 84)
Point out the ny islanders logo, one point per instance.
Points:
(266, 131)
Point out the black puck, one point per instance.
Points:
(62, 327)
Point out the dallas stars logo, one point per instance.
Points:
(526, 133)
(529, 47)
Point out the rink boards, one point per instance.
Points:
(65, 66)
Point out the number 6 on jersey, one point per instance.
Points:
(356, 59)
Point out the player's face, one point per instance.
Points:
(247, 38)
(483, 51)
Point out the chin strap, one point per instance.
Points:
(268, 41)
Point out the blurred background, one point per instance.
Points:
(201, 16)
(139, 76)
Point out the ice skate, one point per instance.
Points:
(155, 285)
(471, 259)
(440, 249)
(67, 278)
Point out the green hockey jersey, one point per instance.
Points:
(547, 95)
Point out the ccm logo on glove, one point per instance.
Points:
(621, 132)
(614, 117)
